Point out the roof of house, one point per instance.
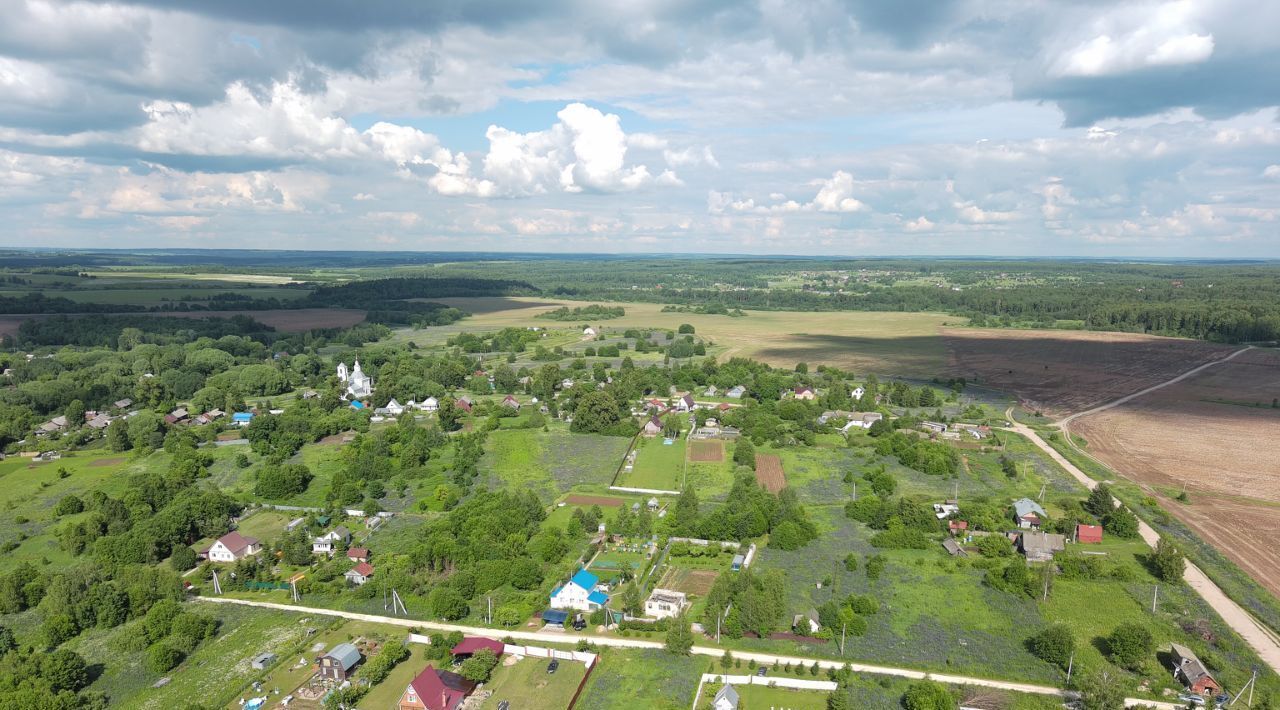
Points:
(1024, 506)
(952, 546)
(236, 542)
(687, 399)
(364, 569)
(471, 644)
(655, 421)
(440, 690)
(244, 416)
(1042, 542)
(355, 552)
(585, 579)
(958, 524)
(555, 616)
(727, 693)
(1088, 532)
(804, 390)
(598, 598)
(347, 655)
(668, 596)
(1188, 663)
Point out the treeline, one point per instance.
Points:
(106, 330)
(594, 311)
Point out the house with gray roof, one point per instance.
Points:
(339, 661)
(1028, 514)
(726, 699)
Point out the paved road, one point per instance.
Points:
(1262, 639)
(714, 651)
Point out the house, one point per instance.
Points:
(511, 402)
(463, 403)
(1039, 546)
(310, 394)
(1188, 669)
(953, 548)
(358, 554)
(579, 593)
(933, 427)
(736, 392)
(653, 427)
(863, 421)
(957, 527)
(122, 403)
(99, 421)
(469, 645)
(834, 414)
(858, 392)
(177, 416)
(805, 393)
(665, 603)
(392, 409)
(725, 699)
(589, 332)
(711, 391)
(430, 404)
(262, 661)
(231, 547)
(686, 404)
(566, 383)
(434, 689)
(1028, 514)
(724, 407)
(652, 504)
(325, 544)
(56, 424)
(738, 561)
(359, 574)
(806, 623)
(1089, 534)
(339, 661)
(944, 509)
(242, 418)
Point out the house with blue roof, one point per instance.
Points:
(242, 418)
(579, 593)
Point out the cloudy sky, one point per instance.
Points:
(1018, 127)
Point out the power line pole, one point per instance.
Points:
(843, 628)
(1155, 594)
(1070, 665)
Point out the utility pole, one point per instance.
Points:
(1071, 662)
(217, 585)
(843, 627)
(1155, 594)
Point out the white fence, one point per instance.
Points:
(703, 543)
(646, 491)
(795, 683)
(532, 651)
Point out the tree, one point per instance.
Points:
(1130, 645)
(744, 453)
(68, 505)
(838, 699)
(928, 695)
(995, 546)
(684, 329)
(64, 670)
(1121, 522)
(7, 640)
(118, 436)
(726, 661)
(479, 666)
(183, 558)
(1053, 645)
(449, 415)
(1100, 691)
(1168, 561)
(1100, 502)
(596, 413)
(282, 481)
(162, 657)
(448, 603)
(679, 636)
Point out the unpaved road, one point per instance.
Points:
(1261, 639)
(716, 652)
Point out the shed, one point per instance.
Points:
(262, 660)
(555, 617)
(339, 661)
(1188, 669)
(738, 561)
(469, 645)
(1091, 534)
(725, 699)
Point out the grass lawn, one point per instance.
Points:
(762, 696)
(528, 685)
(550, 463)
(642, 678)
(658, 465)
(387, 693)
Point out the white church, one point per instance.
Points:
(359, 385)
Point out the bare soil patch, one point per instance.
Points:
(702, 451)
(1213, 433)
(116, 461)
(769, 472)
(603, 501)
(690, 581)
(1060, 372)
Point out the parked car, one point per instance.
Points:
(553, 665)
(762, 670)
(1191, 699)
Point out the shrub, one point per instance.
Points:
(1053, 645)
(1129, 645)
(928, 695)
(162, 657)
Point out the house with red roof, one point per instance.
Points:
(806, 393)
(510, 401)
(359, 574)
(469, 645)
(957, 527)
(358, 554)
(1090, 534)
(434, 689)
(231, 547)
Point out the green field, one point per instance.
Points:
(642, 679)
(550, 463)
(762, 696)
(528, 685)
(658, 465)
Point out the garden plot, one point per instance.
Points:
(708, 450)
(658, 465)
(527, 683)
(769, 472)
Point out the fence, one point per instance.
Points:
(795, 683)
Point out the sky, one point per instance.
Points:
(854, 127)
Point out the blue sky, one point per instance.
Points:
(842, 127)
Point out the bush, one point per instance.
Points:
(1053, 645)
(162, 657)
(479, 666)
(928, 695)
(68, 505)
(1129, 645)
(380, 666)
(994, 546)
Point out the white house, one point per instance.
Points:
(726, 699)
(858, 392)
(231, 547)
(359, 574)
(686, 404)
(863, 421)
(942, 510)
(325, 544)
(665, 603)
(393, 409)
(359, 385)
(579, 593)
(430, 404)
(589, 332)
(711, 391)
(736, 392)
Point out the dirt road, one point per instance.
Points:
(713, 651)
(1261, 639)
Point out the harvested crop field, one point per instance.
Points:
(602, 501)
(690, 581)
(708, 450)
(1060, 372)
(769, 472)
(1210, 432)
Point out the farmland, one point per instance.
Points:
(1233, 485)
(659, 464)
(1069, 371)
(769, 472)
(646, 679)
